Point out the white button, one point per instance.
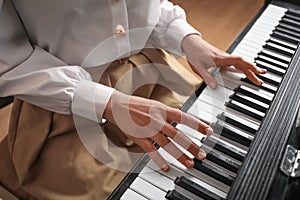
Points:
(120, 31)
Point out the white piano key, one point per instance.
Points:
(213, 101)
(242, 121)
(201, 114)
(199, 105)
(225, 144)
(248, 108)
(258, 92)
(235, 79)
(264, 21)
(242, 51)
(272, 76)
(271, 66)
(274, 61)
(268, 20)
(293, 46)
(261, 30)
(256, 39)
(174, 172)
(280, 56)
(250, 99)
(194, 173)
(245, 57)
(214, 111)
(146, 189)
(220, 93)
(156, 179)
(252, 44)
(187, 193)
(131, 195)
(254, 50)
(281, 48)
(191, 132)
(253, 37)
(274, 10)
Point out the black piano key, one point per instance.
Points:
(221, 160)
(269, 78)
(289, 27)
(270, 68)
(288, 32)
(292, 17)
(290, 21)
(285, 37)
(274, 56)
(249, 101)
(252, 93)
(279, 49)
(196, 189)
(225, 148)
(293, 12)
(238, 122)
(232, 133)
(214, 172)
(245, 109)
(271, 61)
(264, 86)
(175, 195)
(282, 43)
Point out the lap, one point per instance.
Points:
(44, 156)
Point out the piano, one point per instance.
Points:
(253, 151)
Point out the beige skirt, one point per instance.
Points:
(43, 157)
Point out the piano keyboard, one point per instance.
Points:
(235, 109)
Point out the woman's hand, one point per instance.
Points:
(201, 55)
(146, 121)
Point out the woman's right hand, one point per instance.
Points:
(146, 121)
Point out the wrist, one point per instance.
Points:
(190, 40)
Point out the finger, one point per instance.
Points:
(181, 139)
(159, 160)
(189, 145)
(252, 77)
(173, 150)
(150, 149)
(241, 64)
(244, 65)
(206, 76)
(249, 69)
(175, 115)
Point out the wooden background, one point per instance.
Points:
(220, 21)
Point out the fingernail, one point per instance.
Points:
(261, 82)
(212, 84)
(209, 131)
(264, 71)
(165, 168)
(189, 163)
(201, 155)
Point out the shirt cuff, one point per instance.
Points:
(175, 33)
(90, 100)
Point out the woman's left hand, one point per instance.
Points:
(201, 55)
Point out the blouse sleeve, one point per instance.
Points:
(171, 28)
(32, 74)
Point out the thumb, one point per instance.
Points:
(207, 77)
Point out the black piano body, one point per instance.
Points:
(261, 176)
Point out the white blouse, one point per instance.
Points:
(48, 46)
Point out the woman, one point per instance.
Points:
(52, 56)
